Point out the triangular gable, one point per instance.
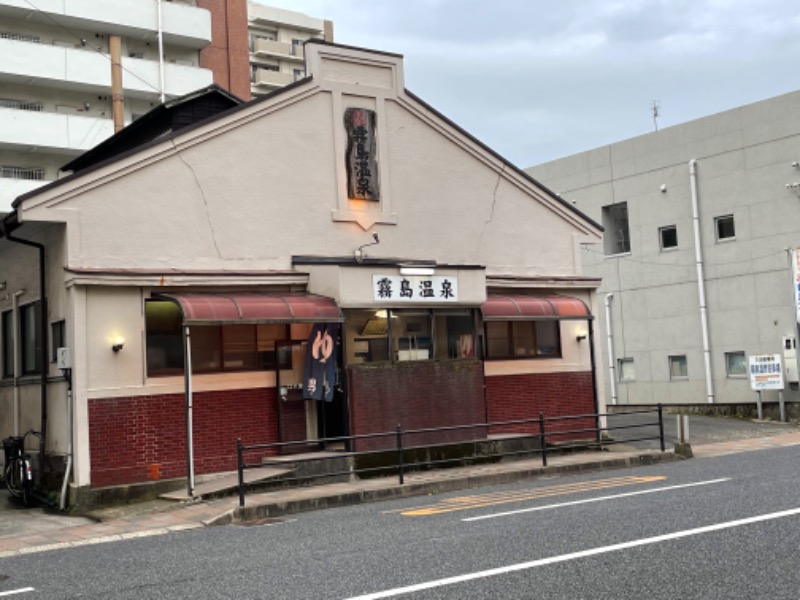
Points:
(164, 119)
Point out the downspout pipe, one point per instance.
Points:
(590, 323)
(43, 350)
(15, 323)
(701, 281)
(612, 375)
(68, 471)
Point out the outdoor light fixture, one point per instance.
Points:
(421, 271)
(359, 255)
(580, 336)
(119, 343)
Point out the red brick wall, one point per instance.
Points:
(519, 397)
(228, 55)
(293, 420)
(416, 395)
(143, 438)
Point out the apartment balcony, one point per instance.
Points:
(52, 132)
(181, 24)
(32, 134)
(87, 70)
(271, 48)
(273, 79)
(11, 188)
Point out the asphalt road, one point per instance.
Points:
(725, 527)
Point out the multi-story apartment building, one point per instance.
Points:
(56, 76)
(695, 273)
(276, 38)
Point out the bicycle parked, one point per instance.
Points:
(18, 471)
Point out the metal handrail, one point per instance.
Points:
(541, 432)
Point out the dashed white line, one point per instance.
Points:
(19, 591)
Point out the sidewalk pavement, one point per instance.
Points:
(39, 535)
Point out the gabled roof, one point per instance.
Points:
(208, 104)
(165, 119)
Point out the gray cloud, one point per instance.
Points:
(537, 80)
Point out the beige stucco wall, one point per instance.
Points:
(263, 183)
(250, 190)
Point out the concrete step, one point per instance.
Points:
(226, 484)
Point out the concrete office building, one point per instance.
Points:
(687, 308)
(56, 98)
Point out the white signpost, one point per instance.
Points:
(766, 373)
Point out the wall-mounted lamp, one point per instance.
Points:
(359, 255)
(796, 164)
(118, 344)
(795, 187)
(580, 336)
(663, 188)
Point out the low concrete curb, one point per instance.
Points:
(311, 499)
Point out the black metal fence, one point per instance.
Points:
(542, 434)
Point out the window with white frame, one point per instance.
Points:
(736, 364)
(724, 228)
(677, 367)
(668, 237)
(616, 238)
(627, 370)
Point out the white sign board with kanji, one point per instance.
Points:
(766, 372)
(394, 288)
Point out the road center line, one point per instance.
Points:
(575, 555)
(588, 500)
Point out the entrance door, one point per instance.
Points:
(295, 413)
(306, 420)
(332, 416)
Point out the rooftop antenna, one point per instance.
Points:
(655, 108)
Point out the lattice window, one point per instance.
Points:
(20, 105)
(36, 173)
(19, 37)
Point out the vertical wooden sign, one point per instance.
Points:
(361, 155)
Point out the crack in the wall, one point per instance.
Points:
(494, 203)
(203, 196)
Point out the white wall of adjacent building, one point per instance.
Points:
(744, 160)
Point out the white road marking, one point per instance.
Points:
(601, 499)
(19, 591)
(575, 555)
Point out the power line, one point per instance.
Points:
(84, 43)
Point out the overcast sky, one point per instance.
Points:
(540, 79)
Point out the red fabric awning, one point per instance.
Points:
(212, 309)
(506, 308)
